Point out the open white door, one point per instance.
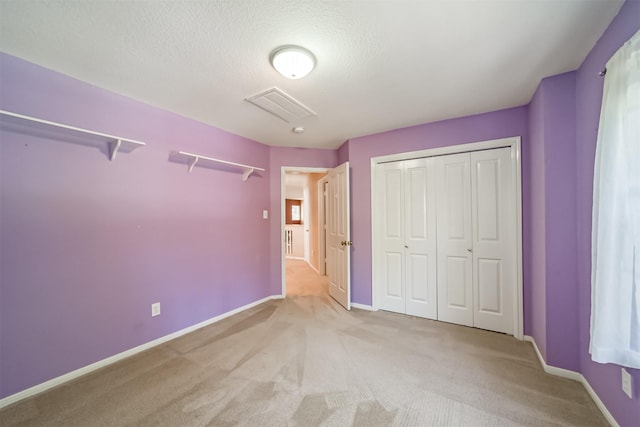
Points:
(339, 236)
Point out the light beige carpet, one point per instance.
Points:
(305, 361)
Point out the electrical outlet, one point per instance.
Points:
(155, 309)
(626, 383)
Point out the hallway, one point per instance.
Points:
(302, 280)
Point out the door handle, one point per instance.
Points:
(469, 250)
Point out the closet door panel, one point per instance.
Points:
(394, 266)
(416, 200)
(417, 280)
(489, 286)
(455, 199)
(393, 215)
(494, 248)
(454, 239)
(456, 293)
(390, 261)
(420, 240)
(487, 187)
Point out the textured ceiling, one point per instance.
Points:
(381, 64)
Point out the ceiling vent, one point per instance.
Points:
(281, 105)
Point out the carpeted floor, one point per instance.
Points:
(306, 361)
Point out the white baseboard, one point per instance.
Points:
(576, 376)
(314, 269)
(117, 357)
(362, 306)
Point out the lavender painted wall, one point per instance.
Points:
(553, 284)
(343, 153)
(535, 295)
(560, 211)
(481, 127)
(87, 244)
(288, 157)
(605, 379)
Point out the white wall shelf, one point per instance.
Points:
(28, 124)
(193, 159)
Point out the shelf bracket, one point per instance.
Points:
(192, 163)
(247, 172)
(114, 146)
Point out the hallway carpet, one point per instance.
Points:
(305, 361)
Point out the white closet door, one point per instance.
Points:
(420, 238)
(493, 218)
(455, 292)
(390, 260)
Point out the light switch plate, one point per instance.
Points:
(265, 214)
(155, 309)
(626, 383)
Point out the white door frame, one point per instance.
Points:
(516, 171)
(322, 221)
(283, 171)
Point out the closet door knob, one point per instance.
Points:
(469, 250)
(406, 247)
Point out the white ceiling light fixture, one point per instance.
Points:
(293, 62)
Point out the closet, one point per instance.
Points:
(407, 255)
(446, 239)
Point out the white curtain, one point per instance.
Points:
(615, 251)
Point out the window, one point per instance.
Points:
(615, 247)
(293, 211)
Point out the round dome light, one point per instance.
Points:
(293, 62)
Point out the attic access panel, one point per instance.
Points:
(281, 105)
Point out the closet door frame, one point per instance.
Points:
(516, 176)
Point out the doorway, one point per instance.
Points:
(303, 242)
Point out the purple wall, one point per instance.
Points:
(535, 314)
(288, 157)
(343, 153)
(605, 379)
(560, 211)
(88, 245)
(553, 284)
(481, 127)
